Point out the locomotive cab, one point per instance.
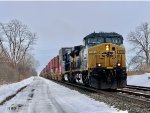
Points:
(99, 38)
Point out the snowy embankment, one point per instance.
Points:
(139, 80)
(45, 96)
(10, 89)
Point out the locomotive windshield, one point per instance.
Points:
(99, 40)
(102, 37)
(114, 40)
(96, 40)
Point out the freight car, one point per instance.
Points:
(100, 62)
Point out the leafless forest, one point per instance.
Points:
(16, 59)
(140, 42)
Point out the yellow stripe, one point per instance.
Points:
(109, 67)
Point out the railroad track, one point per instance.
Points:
(136, 90)
(138, 87)
(137, 98)
(135, 93)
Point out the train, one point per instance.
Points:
(99, 63)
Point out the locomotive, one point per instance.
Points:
(100, 62)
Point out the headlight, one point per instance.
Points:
(107, 47)
(118, 64)
(99, 65)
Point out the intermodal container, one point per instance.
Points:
(53, 63)
(51, 66)
(57, 64)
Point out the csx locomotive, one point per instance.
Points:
(100, 62)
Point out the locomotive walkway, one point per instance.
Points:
(44, 96)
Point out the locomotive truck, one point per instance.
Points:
(100, 62)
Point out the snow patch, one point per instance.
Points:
(9, 89)
(139, 80)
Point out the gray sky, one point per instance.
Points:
(62, 24)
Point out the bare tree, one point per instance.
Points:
(140, 40)
(28, 65)
(15, 40)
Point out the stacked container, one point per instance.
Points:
(53, 68)
(57, 64)
(55, 74)
(50, 69)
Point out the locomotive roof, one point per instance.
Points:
(104, 35)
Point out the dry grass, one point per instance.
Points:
(7, 74)
(130, 73)
(138, 72)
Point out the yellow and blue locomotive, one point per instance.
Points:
(100, 62)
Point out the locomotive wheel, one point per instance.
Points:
(71, 78)
(85, 79)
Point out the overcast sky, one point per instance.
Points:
(64, 24)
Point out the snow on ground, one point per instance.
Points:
(44, 96)
(9, 89)
(139, 80)
(74, 102)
